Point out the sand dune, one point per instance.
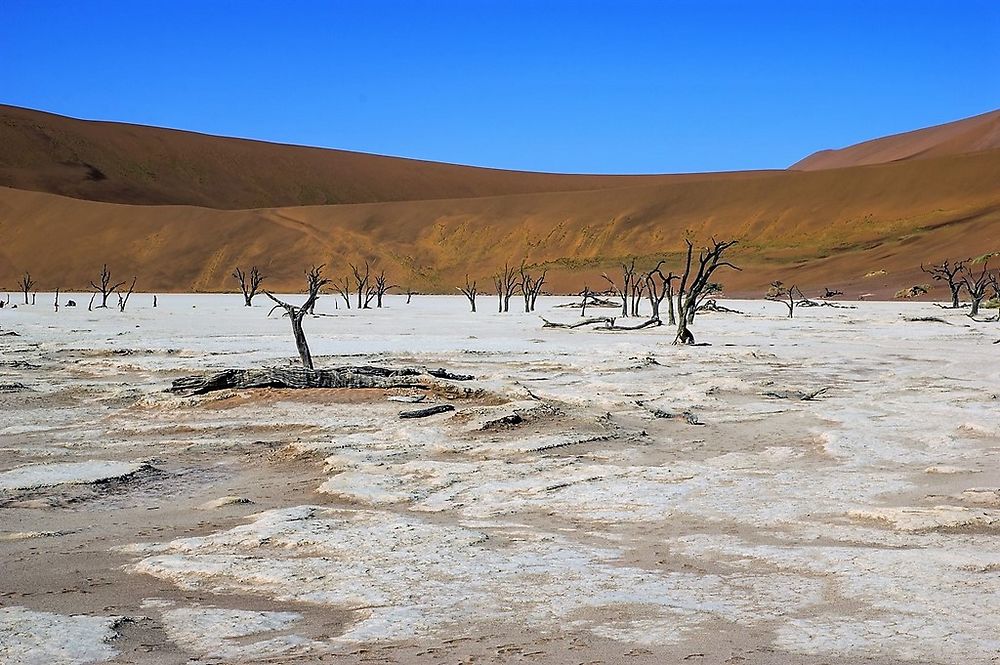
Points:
(823, 228)
(121, 163)
(430, 224)
(981, 132)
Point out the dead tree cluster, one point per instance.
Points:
(971, 275)
(686, 294)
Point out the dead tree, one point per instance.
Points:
(995, 285)
(57, 299)
(638, 290)
(628, 282)
(506, 284)
(469, 290)
(976, 284)
(381, 287)
(694, 283)
(316, 282)
(409, 294)
(530, 287)
(26, 284)
(587, 294)
(830, 293)
(952, 274)
(361, 283)
(705, 302)
(249, 284)
(783, 294)
(660, 287)
(123, 301)
(343, 287)
(106, 288)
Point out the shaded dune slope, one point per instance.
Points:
(122, 163)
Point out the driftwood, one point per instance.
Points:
(429, 411)
(928, 319)
(687, 416)
(797, 394)
(603, 323)
(300, 377)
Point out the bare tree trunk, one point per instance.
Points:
(296, 314)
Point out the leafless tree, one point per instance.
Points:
(660, 287)
(106, 288)
(628, 282)
(506, 284)
(784, 294)
(995, 285)
(469, 290)
(586, 294)
(249, 284)
(949, 272)
(123, 301)
(343, 287)
(638, 290)
(26, 285)
(976, 284)
(409, 294)
(382, 287)
(361, 283)
(316, 282)
(530, 287)
(694, 283)
(57, 299)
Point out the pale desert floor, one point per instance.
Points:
(273, 526)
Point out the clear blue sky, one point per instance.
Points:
(577, 86)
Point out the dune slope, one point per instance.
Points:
(822, 228)
(121, 163)
(981, 132)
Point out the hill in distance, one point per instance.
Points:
(184, 223)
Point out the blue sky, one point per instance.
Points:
(624, 87)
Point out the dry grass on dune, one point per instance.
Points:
(819, 229)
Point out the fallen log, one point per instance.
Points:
(299, 377)
(579, 324)
(429, 411)
(602, 323)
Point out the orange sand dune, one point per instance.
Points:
(981, 132)
(121, 163)
(817, 228)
